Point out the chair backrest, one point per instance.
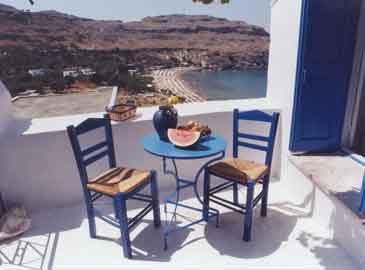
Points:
(86, 157)
(267, 142)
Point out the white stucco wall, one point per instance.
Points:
(6, 112)
(285, 25)
(327, 211)
(39, 170)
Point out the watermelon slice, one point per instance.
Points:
(183, 138)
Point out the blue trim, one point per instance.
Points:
(236, 135)
(235, 193)
(255, 115)
(300, 61)
(89, 125)
(272, 137)
(110, 141)
(308, 135)
(155, 200)
(249, 211)
(361, 207)
(354, 157)
(235, 132)
(265, 194)
(253, 137)
(362, 197)
(206, 186)
(121, 209)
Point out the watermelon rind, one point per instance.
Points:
(183, 138)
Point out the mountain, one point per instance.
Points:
(6, 8)
(204, 39)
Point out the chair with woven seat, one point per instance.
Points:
(238, 172)
(118, 183)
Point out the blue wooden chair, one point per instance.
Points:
(238, 172)
(118, 183)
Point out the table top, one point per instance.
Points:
(207, 147)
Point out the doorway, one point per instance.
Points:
(354, 125)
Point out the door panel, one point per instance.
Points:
(325, 63)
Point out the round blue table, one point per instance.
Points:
(213, 147)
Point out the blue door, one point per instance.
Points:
(328, 32)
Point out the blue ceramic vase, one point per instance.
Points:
(163, 119)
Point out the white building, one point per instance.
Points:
(37, 72)
(87, 71)
(71, 72)
(78, 71)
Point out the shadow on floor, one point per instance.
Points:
(148, 244)
(268, 234)
(29, 254)
(323, 248)
(351, 198)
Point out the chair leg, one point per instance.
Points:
(235, 193)
(121, 209)
(155, 200)
(90, 215)
(206, 195)
(265, 190)
(116, 211)
(249, 211)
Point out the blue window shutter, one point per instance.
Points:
(328, 31)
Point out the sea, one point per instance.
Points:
(228, 84)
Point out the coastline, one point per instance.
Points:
(172, 80)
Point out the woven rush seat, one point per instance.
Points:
(119, 180)
(239, 170)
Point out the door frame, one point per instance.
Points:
(300, 60)
(356, 85)
(300, 74)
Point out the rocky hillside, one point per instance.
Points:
(198, 40)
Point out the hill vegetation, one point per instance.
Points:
(53, 41)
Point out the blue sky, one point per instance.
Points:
(252, 11)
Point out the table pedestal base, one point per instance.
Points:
(180, 185)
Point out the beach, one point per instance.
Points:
(170, 79)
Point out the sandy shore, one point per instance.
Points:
(171, 79)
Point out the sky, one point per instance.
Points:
(252, 11)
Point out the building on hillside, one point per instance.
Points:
(71, 72)
(87, 71)
(77, 72)
(37, 72)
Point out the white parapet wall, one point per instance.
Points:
(284, 32)
(6, 112)
(38, 167)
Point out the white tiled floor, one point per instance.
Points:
(287, 239)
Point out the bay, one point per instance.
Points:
(228, 84)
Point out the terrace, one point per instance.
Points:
(307, 227)
(299, 232)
